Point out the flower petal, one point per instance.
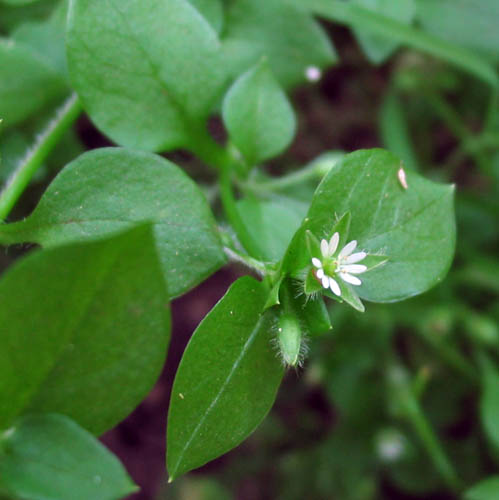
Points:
(316, 262)
(325, 281)
(355, 257)
(354, 268)
(348, 249)
(348, 278)
(333, 244)
(335, 288)
(320, 273)
(324, 248)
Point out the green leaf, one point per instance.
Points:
(27, 83)
(287, 35)
(148, 73)
(110, 189)
(465, 22)
(258, 115)
(49, 457)
(489, 403)
(376, 47)
(488, 489)
(46, 39)
(227, 379)
(272, 223)
(413, 228)
(395, 131)
(360, 18)
(88, 330)
(212, 11)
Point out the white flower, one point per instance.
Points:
(343, 265)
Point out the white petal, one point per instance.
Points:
(325, 281)
(320, 274)
(354, 268)
(353, 280)
(348, 249)
(335, 288)
(333, 243)
(316, 262)
(324, 248)
(355, 257)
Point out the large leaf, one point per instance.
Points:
(148, 72)
(286, 34)
(96, 335)
(413, 227)
(111, 189)
(258, 115)
(227, 379)
(50, 457)
(27, 82)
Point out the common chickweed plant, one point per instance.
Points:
(121, 231)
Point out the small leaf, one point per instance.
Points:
(272, 223)
(96, 335)
(50, 457)
(149, 73)
(111, 189)
(258, 115)
(227, 379)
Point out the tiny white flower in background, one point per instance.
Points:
(343, 265)
(313, 73)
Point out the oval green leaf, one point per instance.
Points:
(148, 73)
(49, 457)
(227, 379)
(111, 189)
(412, 225)
(88, 330)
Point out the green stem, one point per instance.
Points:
(43, 146)
(255, 265)
(216, 156)
(411, 410)
(454, 123)
(430, 441)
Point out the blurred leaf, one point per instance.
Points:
(143, 85)
(49, 457)
(227, 379)
(272, 223)
(96, 335)
(470, 23)
(489, 403)
(361, 18)
(376, 47)
(110, 189)
(488, 489)
(27, 83)
(213, 12)
(395, 132)
(258, 115)
(287, 35)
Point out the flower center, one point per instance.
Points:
(330, 266)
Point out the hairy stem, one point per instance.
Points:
(37, 154)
